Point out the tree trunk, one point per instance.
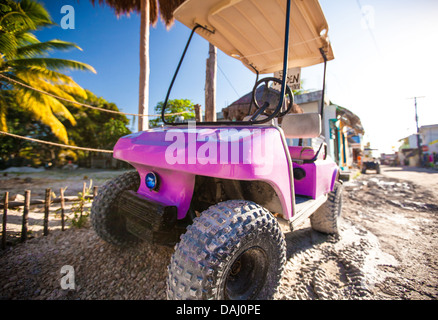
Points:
(143, 104)
(210, 85)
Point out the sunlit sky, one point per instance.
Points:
(385, 54)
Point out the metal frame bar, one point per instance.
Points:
(324, 56)
(176, 73)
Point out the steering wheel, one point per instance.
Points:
(270, 97)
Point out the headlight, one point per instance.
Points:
(151, 181)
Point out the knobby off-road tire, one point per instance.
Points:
(326, 218)
(235, 250)
(105, 219)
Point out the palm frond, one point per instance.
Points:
(44, 73)
(8, 44)
(33, 102)
(52, 63)
(49, 87)
(15, 21)
(24, 58)
(3, 107)
(48, 81)
(43, 48)
(59, 90)
(74, 89)
(36, 12)
(25, 38)
(58, 108)
(24, 15)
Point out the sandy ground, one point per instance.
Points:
(16, 183)
(387, 248)
(37, 182)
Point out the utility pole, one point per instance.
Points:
(210, 85)
(420, 151)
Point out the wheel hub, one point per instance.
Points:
(247, 275)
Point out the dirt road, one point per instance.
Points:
(387, 250)
(401, 210)
(426, 178)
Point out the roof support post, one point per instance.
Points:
(321, 111)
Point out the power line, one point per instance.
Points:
(365, 18)
(420, 151)
(77, 103)
(416, 113)
(55, 144)
(87, 105)
(229, 82)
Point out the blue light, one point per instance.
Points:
(151, 181)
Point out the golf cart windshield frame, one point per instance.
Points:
(283, 82)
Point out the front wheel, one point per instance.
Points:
(234, 251)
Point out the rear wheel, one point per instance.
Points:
(234, 251)
(326, 218)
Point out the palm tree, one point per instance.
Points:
(149, 11)
(23, 58)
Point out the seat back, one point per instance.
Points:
(301, 125)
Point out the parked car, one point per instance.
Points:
(371, 161)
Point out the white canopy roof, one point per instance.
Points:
(253, 30)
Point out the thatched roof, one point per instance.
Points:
(349, 119)
(158, 8)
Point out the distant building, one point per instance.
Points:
(429, 138)
(429, 143)
(408, 152)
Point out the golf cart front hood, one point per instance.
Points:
(232, 153)
(177, 155)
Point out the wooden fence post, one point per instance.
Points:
(82, 200)
(46, 211)
(62, 210)
(198, 114)
(5, 214)
(95, 190)
(25, 215)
